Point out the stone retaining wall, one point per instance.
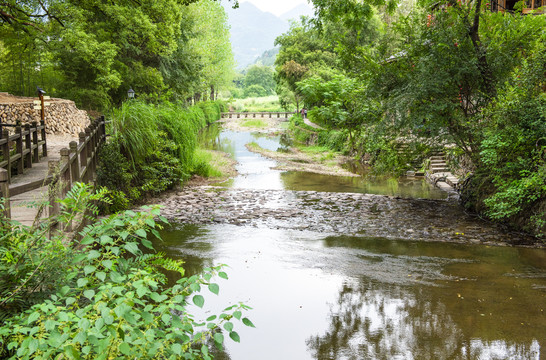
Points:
(61, 117)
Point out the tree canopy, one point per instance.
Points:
(430, 74)
(94, 51)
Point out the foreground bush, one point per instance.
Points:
(101, 297)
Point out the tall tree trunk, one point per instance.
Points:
(212, 93)
(483, 65)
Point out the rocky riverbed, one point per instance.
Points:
(336, 213)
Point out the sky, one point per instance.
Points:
(276, 7)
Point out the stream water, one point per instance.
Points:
(346, 295)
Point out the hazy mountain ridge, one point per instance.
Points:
(254, 31)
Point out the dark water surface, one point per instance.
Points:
(318, 296)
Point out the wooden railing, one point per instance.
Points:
(246, 115)
(78, 163)
(21, 149)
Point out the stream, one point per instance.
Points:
(355, 268)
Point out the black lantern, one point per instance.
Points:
(131, 94)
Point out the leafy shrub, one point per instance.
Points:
(102, 297)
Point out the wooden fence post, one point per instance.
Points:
(4, 192)
(74, 162)
(88, 153)
(54, 207)
(19, 149)
(44, 146)
(6, 152)
(35, 150)
(65, 172)
(103, 127)
(83, 158)
(28, 147)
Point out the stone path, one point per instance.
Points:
(336, 213)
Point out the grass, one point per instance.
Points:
(266, 103)
(209, 164)
(254, 123)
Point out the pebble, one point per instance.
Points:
(342, 213)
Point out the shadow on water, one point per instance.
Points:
(346, 297)
(354, 297)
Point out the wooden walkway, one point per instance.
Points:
(21, 205)
(73, 161)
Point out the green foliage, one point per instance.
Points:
(203, 164)
(257, 104)
(513, 174)
(103, 297)
(429, 75)
(261, 76)
(255, 91)
(152, 149)
(93, 52)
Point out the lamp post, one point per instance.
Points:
(131, 94)
(41, 93)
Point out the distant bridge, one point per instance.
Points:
(262, 115)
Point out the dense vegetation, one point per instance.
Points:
(94, 51)
(426, 75)
(95, 294)
(152, 149)
(98, 291)
(255, 81)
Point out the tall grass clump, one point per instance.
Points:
(151, 149)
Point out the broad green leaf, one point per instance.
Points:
(199, 300)
(125, 348)
(132, 247)
(107, 264)
(228, 326)
(33, 317)
(218, 338)
(177, 349)
(89, 294)
(141, 232)
(69, 301)
(89, 269)
(82, 282)
(223, 275)
(234, 336)
(237, 315)
(93, 254)
(247, 322)
(214, 288)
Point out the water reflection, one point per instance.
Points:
(403, 187)
(346, 297)
(366, 324)
(255, 171)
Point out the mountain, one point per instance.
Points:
(295, 13)
(254, 31)
(268, 57)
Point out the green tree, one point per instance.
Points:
(262, 76)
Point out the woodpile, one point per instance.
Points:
(61, 116)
